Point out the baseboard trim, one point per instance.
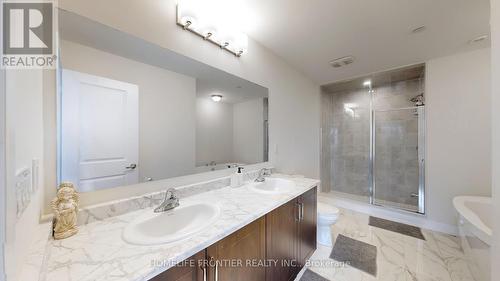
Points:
(418, 220)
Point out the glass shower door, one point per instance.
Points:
(398, 158)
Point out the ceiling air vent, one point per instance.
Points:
(342, 61)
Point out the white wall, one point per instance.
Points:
(293, 98)
(166, 108)
(24, 142)
(248, 132)
(495, 105)
(214, 132)
(458, 112)
(3, 189)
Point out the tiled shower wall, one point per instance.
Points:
(346, 143)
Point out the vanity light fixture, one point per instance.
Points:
(216, 98)
(200, 18)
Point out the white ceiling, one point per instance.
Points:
(310, 33)
(232, 90)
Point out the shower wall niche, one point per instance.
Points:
(373, 138)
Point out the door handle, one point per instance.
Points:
(131, 167)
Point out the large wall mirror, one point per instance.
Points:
(130, 111)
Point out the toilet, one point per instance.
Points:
(327, 216)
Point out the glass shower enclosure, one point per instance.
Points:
(373, 139)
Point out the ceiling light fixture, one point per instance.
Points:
(367, 83)
(216, 98)
(204, 19)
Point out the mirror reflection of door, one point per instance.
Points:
(189, 117)
(99, 131)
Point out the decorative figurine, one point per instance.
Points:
(65, 207)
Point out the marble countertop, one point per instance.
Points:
(98, 251)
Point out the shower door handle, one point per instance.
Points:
(414, 195)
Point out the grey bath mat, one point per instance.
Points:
(402, 228)
(357, 254)
(311, 276)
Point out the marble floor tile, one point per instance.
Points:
(399, 257)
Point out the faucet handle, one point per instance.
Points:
(171, 193)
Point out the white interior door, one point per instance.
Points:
(99, 131)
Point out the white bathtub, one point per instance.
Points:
(475, 229)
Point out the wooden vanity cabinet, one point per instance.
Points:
(282, 241)
(286, 235)
(307, 226)
(291, 236)
(189, 270)
(233, 252)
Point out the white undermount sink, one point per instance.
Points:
(170, 226)
(272, 186)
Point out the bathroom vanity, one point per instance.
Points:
(274, 247)
(263, 228)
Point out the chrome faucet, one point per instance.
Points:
(171, 201)
(262, 173)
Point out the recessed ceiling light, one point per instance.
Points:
(478, 39)
(216, 98)
(419, 29)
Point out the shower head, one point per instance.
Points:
(418, 100)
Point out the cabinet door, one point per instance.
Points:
(231, 254)
(307, 225)
(188, 270)
(282, 241)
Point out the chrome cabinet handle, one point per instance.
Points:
(204, 268)
(301, 211)
(131, 167)
(298, 211)
(216, 272)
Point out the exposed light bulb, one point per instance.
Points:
(189, 13)
(211, 21)
(216, 98)
(241, 43)
(227, 38)
(209, 31)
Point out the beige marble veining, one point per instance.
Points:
(399, 257)
(33, 268)
(98, 251)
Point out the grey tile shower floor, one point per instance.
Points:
(399, 257)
